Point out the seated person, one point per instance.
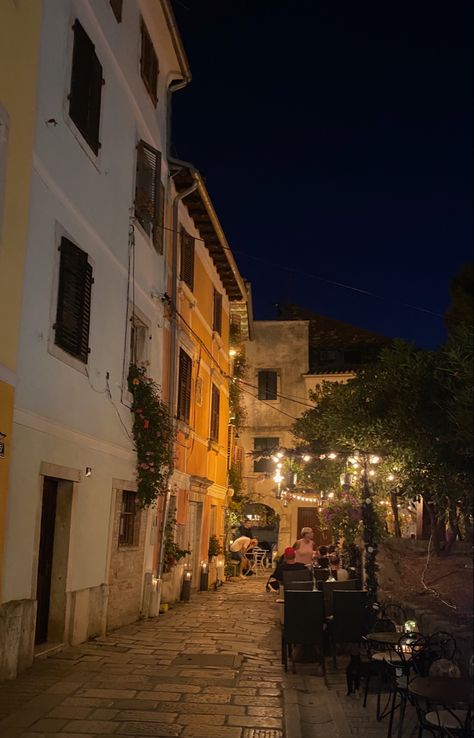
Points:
(238, 549)
(339, 574)
(287, 563)
(322, 561)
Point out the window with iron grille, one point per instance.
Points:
(86, 87)
(149, 67)
(187, 259)
(149, 193)
(215, 403)
(184, 386)
(129, 526)
(71, 329)
(217, 313)
(116, 6)
(265, 446)
(267, 385)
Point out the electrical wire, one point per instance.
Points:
(278, 410)
(278, 394)
(332, 282)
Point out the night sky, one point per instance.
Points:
(335, 140)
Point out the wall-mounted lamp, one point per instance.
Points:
(88, 472)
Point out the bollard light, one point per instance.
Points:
(204, 583)
(186, 588)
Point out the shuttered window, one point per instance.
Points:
(215, 403)
(116, 6)
(86, 88)
(149, 67)
(267, 385)
(149, 193)
(187, 259)
(217, 313)
(184, 386)
(74, 301)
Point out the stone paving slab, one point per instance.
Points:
(138, 681)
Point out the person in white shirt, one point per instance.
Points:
(339, 574)
(238, 549)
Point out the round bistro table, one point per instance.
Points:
(446, 691)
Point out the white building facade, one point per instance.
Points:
(79, 552)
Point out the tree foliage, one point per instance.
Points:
(414, 409)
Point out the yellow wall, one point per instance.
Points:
(19, 40)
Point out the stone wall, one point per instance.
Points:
(401, 565)
(17, 633)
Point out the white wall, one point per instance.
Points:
(60, 418)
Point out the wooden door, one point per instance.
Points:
(308, 518)
(45, 558)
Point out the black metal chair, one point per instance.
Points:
(407, 661)
(443, 722)
(303, 624)
(303, 586)
(396, 613)
(320, 575)
(328, 589)
(299, 575)
(349, 622)
(377, 667)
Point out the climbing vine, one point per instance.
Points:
(153, 436)
(172, 552)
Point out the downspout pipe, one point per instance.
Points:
(173, 87)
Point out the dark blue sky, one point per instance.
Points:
(335, 139)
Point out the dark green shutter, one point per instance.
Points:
(184, 386)
(187, 259)
(215, 405)
(149, 66)
(217, 316)
(86, 87)
(74, 301)
(267, 385)
(148, 192)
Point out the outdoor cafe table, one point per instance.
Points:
(385, 639)
(446, 691)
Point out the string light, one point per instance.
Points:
(374, 459)
(306, 457)
(332, 455)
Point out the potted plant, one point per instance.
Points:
(215, 547)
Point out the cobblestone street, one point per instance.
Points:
(206, 669)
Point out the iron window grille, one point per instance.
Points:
(150, 193)
(217, 313)
(129, 526)
(265, 446)
(267, 385)
(149, 66)
(215, 405)
(187, 259)
(86, 88)
(74, 301)
(184, 386)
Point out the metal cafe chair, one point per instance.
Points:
(328, 589)
(349, 622)
(406, 662)
(303, 586)
(303, 624)
(299, 575)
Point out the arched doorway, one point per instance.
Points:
(265, 525)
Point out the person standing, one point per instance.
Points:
(245, 528)
(304, 547)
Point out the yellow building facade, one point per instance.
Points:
(207, 282)
(19, 42)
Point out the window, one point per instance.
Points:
(116, 6)
(215, 402)
(148, 193)
(328, 356)
(149, 67)
(129, 520)
(217, 313)
(86, 88)
(139, 341)
(265, 446)
(213, 520)
(267, 385)
(184, 386)
(74, 301)
(187, 259)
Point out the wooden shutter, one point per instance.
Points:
(217, 317)
(184, 386)
(215, 403)
(149, 67)
(148, 191)
(264, 445)
(86, 87)
(116, 6)
(187, 259)
(267, 385)
(74, 301)
(159, 224)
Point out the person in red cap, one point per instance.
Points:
(287, 562)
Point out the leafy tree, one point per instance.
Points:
(461, 309)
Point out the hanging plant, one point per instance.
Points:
(172, 553)
(342, 515)
(153, 436)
